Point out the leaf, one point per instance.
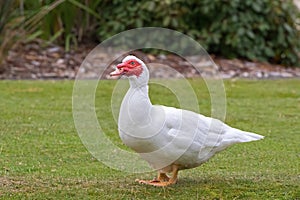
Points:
(256, 6)
(150, 5)
(288, 28)
(269, 52)
(174, 22)
(56, 35)
(166, 21)
(139, 23)
(34, 35)
(250, 34)
(84, 7)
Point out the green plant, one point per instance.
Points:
(262, 30)
(118, 15)
(63, 21)
(9, 20)
(18, 23)
(254, 29)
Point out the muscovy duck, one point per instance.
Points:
(169, 139)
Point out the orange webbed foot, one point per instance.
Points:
(162, 179)
(157, 182)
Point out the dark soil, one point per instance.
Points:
(36, 61)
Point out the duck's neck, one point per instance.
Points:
(136, 105)
(141, 80)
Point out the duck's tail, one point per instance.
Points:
(236, 136)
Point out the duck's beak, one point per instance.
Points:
(120, 70)
(117, 72)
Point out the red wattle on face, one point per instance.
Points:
(129, 68)
(129, 64)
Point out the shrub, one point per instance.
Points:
(254, 29)
(9, 20)
(262, 30)
(62, 21)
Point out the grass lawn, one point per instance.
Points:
(42, 157)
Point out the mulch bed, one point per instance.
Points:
(36, 61)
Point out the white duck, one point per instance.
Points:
(169, 139)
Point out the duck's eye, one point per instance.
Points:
(132, 63)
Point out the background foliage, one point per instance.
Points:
(264, 30)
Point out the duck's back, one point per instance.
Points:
(195, 138)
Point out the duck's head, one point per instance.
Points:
(133, 68)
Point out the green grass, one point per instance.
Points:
(42, 157)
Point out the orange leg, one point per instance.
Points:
(163, 179)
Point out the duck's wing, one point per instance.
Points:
(205, 131)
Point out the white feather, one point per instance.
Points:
(164, 136)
